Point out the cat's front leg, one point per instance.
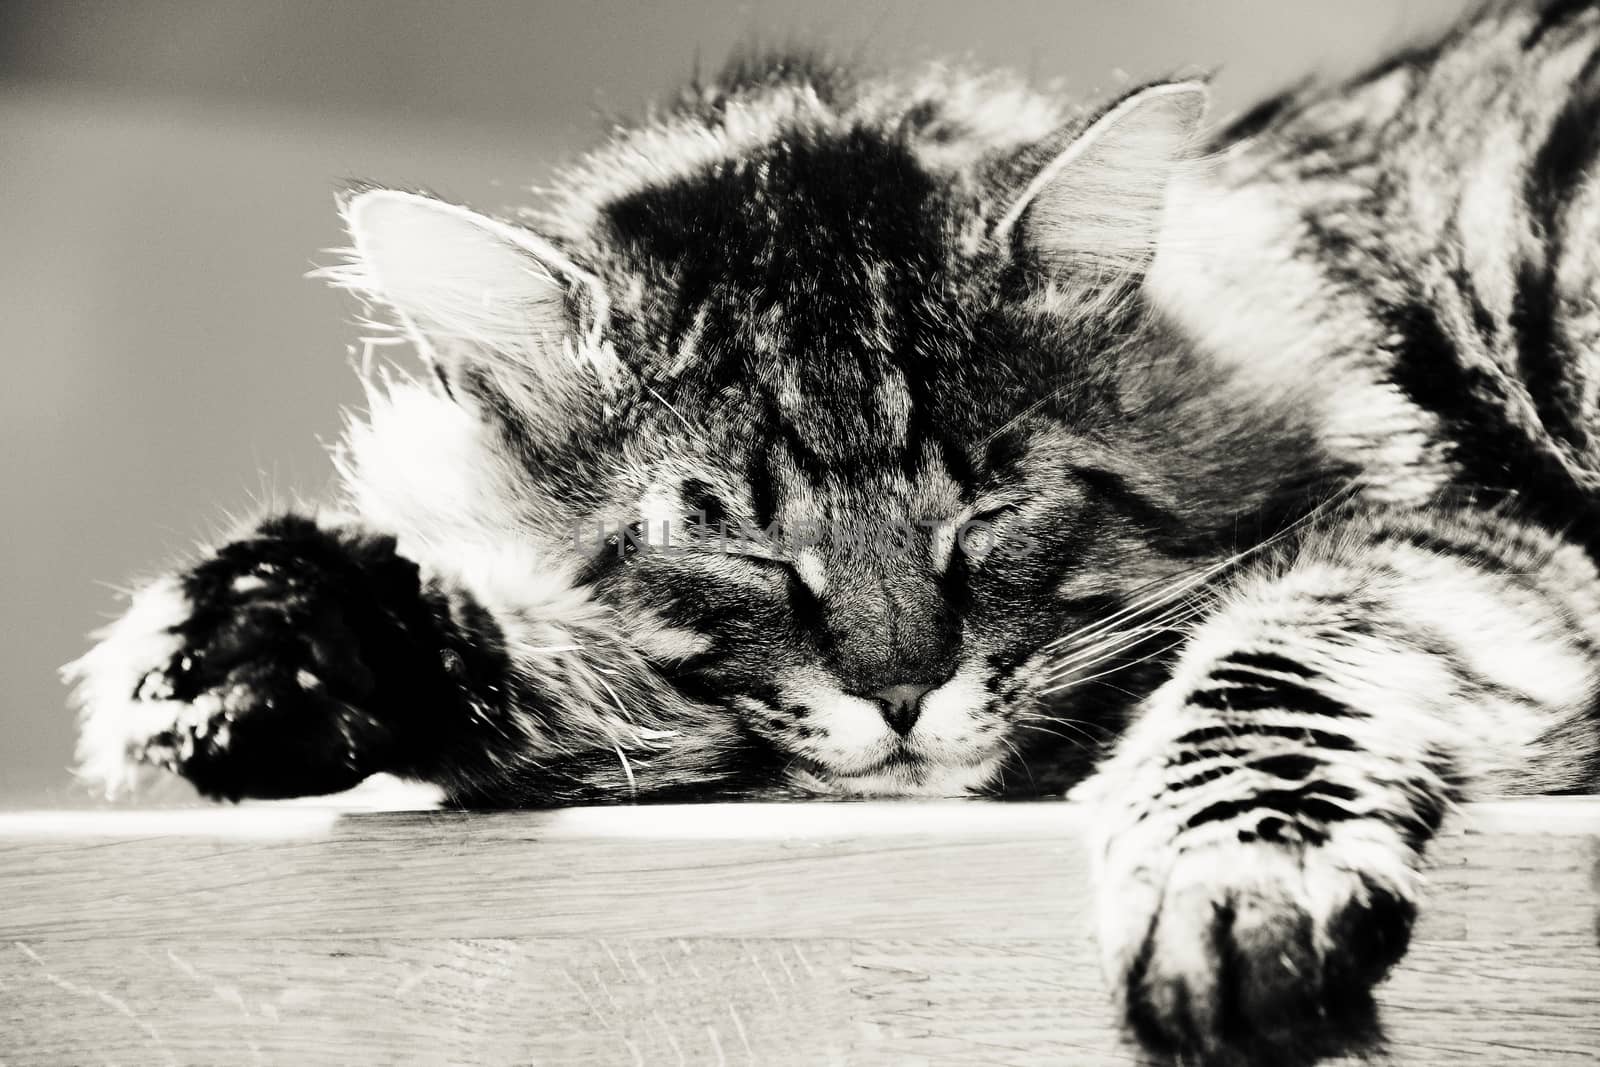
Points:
(1261, 828)
(296, 660)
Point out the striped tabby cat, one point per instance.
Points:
(848, 436)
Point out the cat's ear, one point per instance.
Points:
(480, 296)
(1098, 205)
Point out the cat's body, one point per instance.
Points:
(1285, 459)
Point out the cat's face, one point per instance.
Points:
(901, 445)
(855, 430)
(899, 633)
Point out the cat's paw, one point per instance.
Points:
(242, 675)
(1253, 951)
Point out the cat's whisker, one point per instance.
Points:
(1087, 738)
(1021, 762)
(1149, 602)
(1157, 619)
(1079, 667)
(1110, 645)
(1029, 410)
(686, 423)
(1100, 666)
(1142, 659)
(633, 785)
(1083, 665)
(615, 699)
(1153, 614)
(1130, 694)
(1153, 602)
(1067, 720)
(1109, 650)
(1184, 581)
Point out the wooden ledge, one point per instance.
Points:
(803, 933)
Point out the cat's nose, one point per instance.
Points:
(900, 705)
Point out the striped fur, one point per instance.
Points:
(1263, 477)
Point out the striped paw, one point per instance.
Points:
(1252, 950)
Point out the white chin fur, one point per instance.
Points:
(925, 781)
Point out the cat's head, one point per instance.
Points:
(849, 402)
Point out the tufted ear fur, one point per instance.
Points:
(1098, 205)
(487, 302)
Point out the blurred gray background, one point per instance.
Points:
(166, 178)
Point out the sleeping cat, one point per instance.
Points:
(846, 436)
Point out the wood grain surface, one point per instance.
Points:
(820, 933)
